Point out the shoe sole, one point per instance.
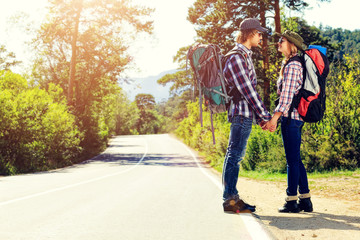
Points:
(306, 210)
(292, 211)
(238, 211)
(239, 207)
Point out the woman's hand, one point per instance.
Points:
(272, 124)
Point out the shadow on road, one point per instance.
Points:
(169, 160)
(315, 220)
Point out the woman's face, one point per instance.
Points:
(284, 46)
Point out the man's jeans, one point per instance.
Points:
(239, 135)
(296, 173)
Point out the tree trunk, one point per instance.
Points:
(277, 16)
(265, 48)
(74, 51)
(277, 21)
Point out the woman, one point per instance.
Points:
(289, 83)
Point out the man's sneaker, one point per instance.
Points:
(230, 205)
(237, 205)
(247, 206)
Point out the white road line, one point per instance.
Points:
(254, 228)
(216, 182)
(77, 184)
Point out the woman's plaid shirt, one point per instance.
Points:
(288, 86)
(242, 72)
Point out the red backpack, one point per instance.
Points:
(311, 98)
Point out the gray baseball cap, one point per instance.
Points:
(252, 23)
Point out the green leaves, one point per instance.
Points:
(82, 47)
(37, 132)
(333, 143)
(7, 59)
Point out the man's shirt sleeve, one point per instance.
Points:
(240, 73)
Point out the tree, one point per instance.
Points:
(312, 35)
(82, 47)
(84, 42)
(346, 42)
(37, 132)
(126, 115)
(218, 22)
(148, 121)
(145, 101)
(7, 59)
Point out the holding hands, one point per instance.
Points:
(272, 124)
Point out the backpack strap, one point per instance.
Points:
(233, 52)
(233, 89)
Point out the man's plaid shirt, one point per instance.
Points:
(242, 72)
(288, 86)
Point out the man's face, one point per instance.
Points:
(256, 39)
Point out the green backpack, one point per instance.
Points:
(207, 63)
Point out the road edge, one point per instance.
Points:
(256, 228)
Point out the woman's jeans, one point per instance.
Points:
(239, 135)
(296, 173)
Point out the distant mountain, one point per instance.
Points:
(148, 85)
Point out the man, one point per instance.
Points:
(239, 69)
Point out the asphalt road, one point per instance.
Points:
(141, 187)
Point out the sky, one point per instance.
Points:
(172, 31)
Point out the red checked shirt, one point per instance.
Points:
(242, 72)
(288, 87)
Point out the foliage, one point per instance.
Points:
(332, 144)
(180, 82)
(264, 152)
(264, 149)
(148, 121)
(145, 101)
(335, 142)
(312, 35)
(200, 138)
(174, 110)
(82, 47)
(348, 41)
(36, 130)
(7, 59)
(125, 116)
(217, 22)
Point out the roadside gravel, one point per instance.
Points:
(336, 208)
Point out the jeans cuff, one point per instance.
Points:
(305, 195)
(291, 198)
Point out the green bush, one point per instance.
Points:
(36, 132)
(264, 151)
(200, 138)
(333, 143)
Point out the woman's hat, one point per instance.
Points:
(294, 38)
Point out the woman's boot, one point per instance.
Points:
(305, 203)
(290, 206)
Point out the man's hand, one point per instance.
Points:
(264, 125)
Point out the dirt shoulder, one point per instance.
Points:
(336, 213)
